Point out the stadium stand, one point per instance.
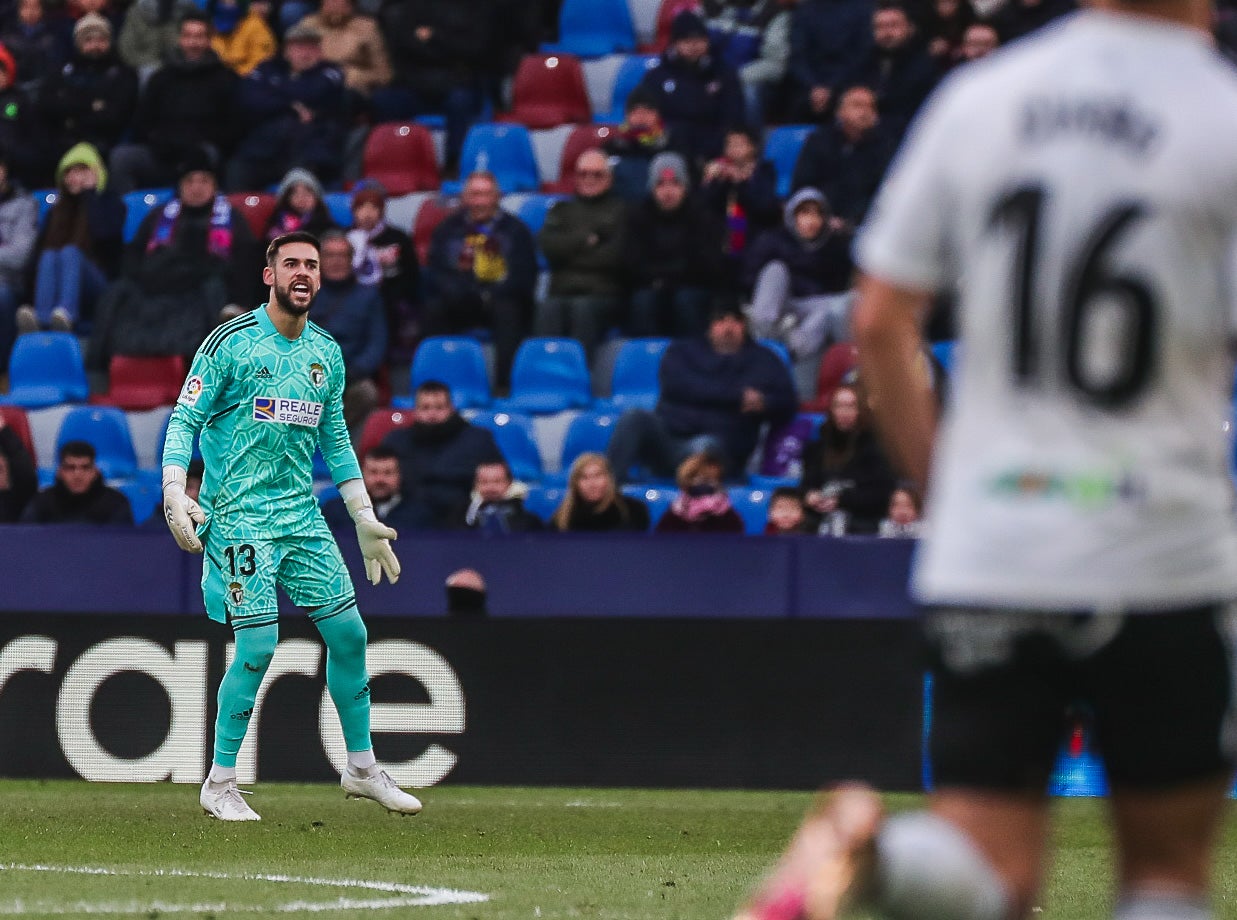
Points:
(46, 368)
(548, 375)
(107, 428)
(457, 361)
(592, 28)
(401, 157)
(635, 382)
(257, 207)
(782, 146)
(506, 150)
(516, 438)
(548, 91)
(628, 77)
(140, 203)
(582, 138)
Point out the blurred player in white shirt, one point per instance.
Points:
(1078, 193)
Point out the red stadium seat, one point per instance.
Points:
(257, 208)
(15, 418)
(581, 138)
(379, 424)
(839, 359)
(549, 91)
(665, 16)
(138, 384)
(429, 216)
(400, 156)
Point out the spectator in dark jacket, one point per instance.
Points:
(828, 40)
(353, 314)
(79, 495)
(385, 257)
(438, 455)
(439, 51)
(297, 112)
(582, 239)
(699, 96)
(753, 37)
(150, 31)
(23, 130)
(79, 247)
(18, 479)
(187, 104)
(17, 235)
(846, 159)
(716, 392)
(381, 473)
(93, 96)
(702, 505)
(897, 67)
(673, 255)
(800, 276)
(40, 47)
(741, 188)
(299, 205)
(633, 144)
(481, 272)
(496, 506)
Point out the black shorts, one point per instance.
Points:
(1157, 688)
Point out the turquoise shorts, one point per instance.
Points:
(240, 574)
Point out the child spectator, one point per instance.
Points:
(593, 502)
(702, 505)
(905, 508)
(787, 515)
(299, 206)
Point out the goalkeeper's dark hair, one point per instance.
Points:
(296, 236)
(76, 449)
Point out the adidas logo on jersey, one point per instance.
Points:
(264, 373)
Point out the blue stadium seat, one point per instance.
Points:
(339, 204)
(656, 497)
(506, 150)
(544, 501)
(327, 492)
(594, 28)
(753, 507)
(533, 209)
(46, 368)
(629, 75)
(43, 200)
(589, 432)
(143, 494)
(457, 361)
(514, 434)
(945, 352)
(107, 428)
(782, 146)
(778, 348)
(636, 381)
(140, 203)
(548, 375)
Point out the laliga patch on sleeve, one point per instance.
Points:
(190, 392)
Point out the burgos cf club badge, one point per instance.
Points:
(236, 593)
(317, 373)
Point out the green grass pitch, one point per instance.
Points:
(611, 854)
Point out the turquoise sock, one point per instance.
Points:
(255, 647)
(346, 678)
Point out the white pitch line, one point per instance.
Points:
(422, 895)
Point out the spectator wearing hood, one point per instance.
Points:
(188, 104)
(22, 129)
(297, 111)
(299, 205)
(699, 95)
(633, 144)
(150, 32)
(39, 45)
(242, 38)
(385, 257)
(93, 96)
(352, 42)
(17, 233)
(79, 246)
(673, 255)
(496, 505)
(439, 454)
(800, 275)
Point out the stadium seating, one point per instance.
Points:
(140, 203)
(429, 216)
(327, 492)
(144, 496)
(582, 138)
(378, 424)
(138, 383)
(543, 501)
(587, 432)
(257, 208)
(15, 418)
(782, 146)
(516, 439)
(108, 430)
(636, 382)
(753, 507)
(506, 150)
(339, 204)
(457, 361)
(839, 359)
(592, 28)
(46, 368)
(401, 157)
(548, 91)
(43, 200)
(629, 75)
(657, 498)
(548, 375)
(779, 349)
(665, 17)
(945, 352)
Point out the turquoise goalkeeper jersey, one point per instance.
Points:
(262, 403)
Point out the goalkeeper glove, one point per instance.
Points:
(374, 536)
(183, 514)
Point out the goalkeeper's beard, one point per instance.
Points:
(283, 299)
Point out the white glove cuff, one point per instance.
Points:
(174, 475)
(356, 499)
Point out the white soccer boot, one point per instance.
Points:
(225, 802)
(382, 789)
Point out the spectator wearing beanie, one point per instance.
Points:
(299, 206)
(385, 257)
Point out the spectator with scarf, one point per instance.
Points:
(633, 144)
(496, 506)
(385, 257)
(742, 188)
(702, 505)
(242, 38)
(299, 206)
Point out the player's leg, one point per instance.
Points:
(1165, 703)
(313, 573)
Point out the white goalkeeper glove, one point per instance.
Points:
(374, 536)
(183, 514)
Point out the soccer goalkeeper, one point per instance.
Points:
(264, 391)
